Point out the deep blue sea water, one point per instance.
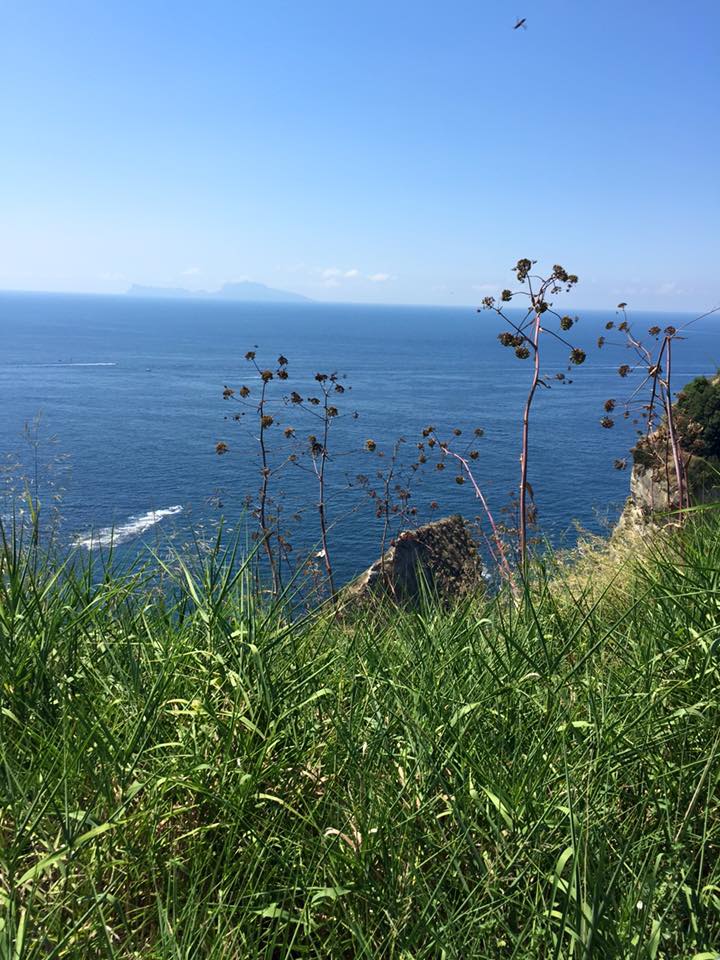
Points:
(131, 391)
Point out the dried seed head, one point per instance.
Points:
(221, 448)
(370, 445)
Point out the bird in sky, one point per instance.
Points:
(520, 23)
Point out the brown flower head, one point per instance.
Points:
(228, 392)
(566, 323)
(250, 355)
(523, 268)
(607, 422)
(577, 356)
(221, 448)
(370, 445)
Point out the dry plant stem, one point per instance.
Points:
(525, 438)
(321, 502)
(264, 496)
(672, 433)
(501, 559)
(386, 517)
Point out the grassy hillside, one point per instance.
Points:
(200, 778)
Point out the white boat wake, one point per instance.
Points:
(132, 528)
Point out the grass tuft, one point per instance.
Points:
(185, 773)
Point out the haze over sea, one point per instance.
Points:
(132, 391)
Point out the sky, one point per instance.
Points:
(384, 151)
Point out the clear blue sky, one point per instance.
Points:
(386, 151)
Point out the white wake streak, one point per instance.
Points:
(132, 528)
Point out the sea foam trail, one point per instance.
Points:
(132, 528)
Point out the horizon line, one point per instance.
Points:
(203, 295)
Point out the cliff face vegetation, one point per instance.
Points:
(654, 496)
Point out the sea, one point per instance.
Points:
(113, 408)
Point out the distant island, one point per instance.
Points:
(243, 290)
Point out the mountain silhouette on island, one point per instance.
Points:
(240, 291)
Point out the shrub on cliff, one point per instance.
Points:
(698, 408)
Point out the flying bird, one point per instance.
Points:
(520, 23)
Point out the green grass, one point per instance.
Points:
(198, 777)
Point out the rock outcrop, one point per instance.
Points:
(443, 555)
(653, 487)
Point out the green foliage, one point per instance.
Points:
(699, 404)
(186, 774)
